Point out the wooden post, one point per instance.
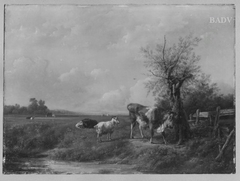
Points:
(225, 145)
(216, 123)
(210, 124)
(217, 115)
(190, 117)
(197, 116)
(210, 119)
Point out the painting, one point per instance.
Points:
(80, 81)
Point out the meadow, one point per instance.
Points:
(58, 139)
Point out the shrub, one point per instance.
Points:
(87, 150)
(30, 139)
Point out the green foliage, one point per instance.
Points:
(15, 109)
(29, 139)
(205, 96)
(35, 107)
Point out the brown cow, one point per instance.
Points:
(152, 118)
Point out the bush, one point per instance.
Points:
(87, 150)
(30, 139)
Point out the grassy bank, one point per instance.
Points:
(64, 142)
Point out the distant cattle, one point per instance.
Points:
(86, 123)
(150, 117)
(30, 117)
(49, 114)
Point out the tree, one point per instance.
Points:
(37, 107)
(8, 109)
(203, 95)
(42, 109)
(206, 96)
(225, 101)
(33, 106)
(173, 68)
(23, 110)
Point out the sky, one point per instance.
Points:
(87, 58)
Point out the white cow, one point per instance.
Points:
(142, 124)
(106, 128)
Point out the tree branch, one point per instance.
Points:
(153, 58)
(156, 74)
(171, 67)
(163, 53)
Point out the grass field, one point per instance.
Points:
(58, 136)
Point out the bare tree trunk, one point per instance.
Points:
(181, 126)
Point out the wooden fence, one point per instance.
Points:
(210, 115)
(213, 117)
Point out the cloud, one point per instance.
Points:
(28, 77)
(98, 72)
(226, 88)
(115, 100)
(115, 96)
(139, 93)
(68, 75)
(75, 78)
(206, 35)
(35, 78)
(26, 68)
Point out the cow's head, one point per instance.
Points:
(167, 122)
(79, 125)
(169, 119)
(115, 120)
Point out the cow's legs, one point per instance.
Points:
(99, 138)
(141, 131)
(109, 138)
(132, 126)
(152, 133)
(180, 131)
(163, 136)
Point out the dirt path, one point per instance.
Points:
(103, 167)
(48, 166)
(44, 165)
(61, 167)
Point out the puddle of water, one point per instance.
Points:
(90, 168)
(47, 166)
